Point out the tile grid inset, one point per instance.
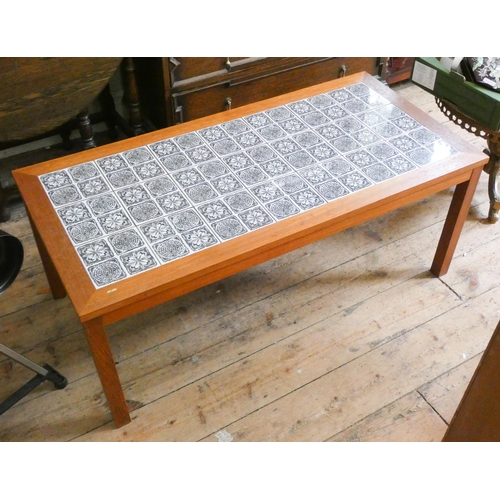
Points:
(138, 209)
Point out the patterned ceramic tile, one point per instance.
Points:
(103, 204)
(214, 210)
(171, 249)
(114, 221)
(71, 214)
(106, 272)
(226, 184)
(55, 180)
(282, 208)
(139, 260)
(94, 252)
(148, 170)
(111, 163)
(199, 239)
(144, 211)
(84, 231)
(83, 172)
(125, 241)
(64, 195)
(229, 228)
(157, 230)
(133, 194)
(354, 181)
(131, 212)
(90, 187)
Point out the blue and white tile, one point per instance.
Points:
(282, 208)
(125, 241)
(138, 155)
(107, 272)
(111, 163)
(83, 172)
(148, 170)
(228, 228)
(130, 212)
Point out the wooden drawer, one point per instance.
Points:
(246, 89)
(192, 72)
(175, 90)
(185, 71)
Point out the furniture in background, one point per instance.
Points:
(191, 204)
(11, 260)
(473, 107)
(398, 69)
(44, 96)
(477, 417)
(175, 90)
(492, 168)
(40, 94)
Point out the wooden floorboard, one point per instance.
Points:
(348, 339)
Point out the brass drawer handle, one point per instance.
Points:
(228, 103)
(342, 71)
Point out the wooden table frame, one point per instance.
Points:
(99, 307)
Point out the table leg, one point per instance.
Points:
(56, 285)
(132, 97)
(4, 205)
(85, 128)
(454, 223)
(493, 168)
(106, 369)
(109, 110)
(493, 193)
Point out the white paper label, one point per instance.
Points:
(424, 75)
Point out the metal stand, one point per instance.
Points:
(11, 260)
(45, 372)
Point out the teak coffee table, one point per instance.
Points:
(130, 225)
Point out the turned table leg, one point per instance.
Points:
(132, 97)
(85, 128)
(454, 223)
(492, 169)
(106, 369)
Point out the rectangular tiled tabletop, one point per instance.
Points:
(136, 210)
(125, 227)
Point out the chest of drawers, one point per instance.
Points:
(174, 90)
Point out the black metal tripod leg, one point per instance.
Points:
(21, 392)
(59, 381)
(52, 375)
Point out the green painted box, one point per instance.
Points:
(476, 102)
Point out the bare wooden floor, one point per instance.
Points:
(348, 339)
